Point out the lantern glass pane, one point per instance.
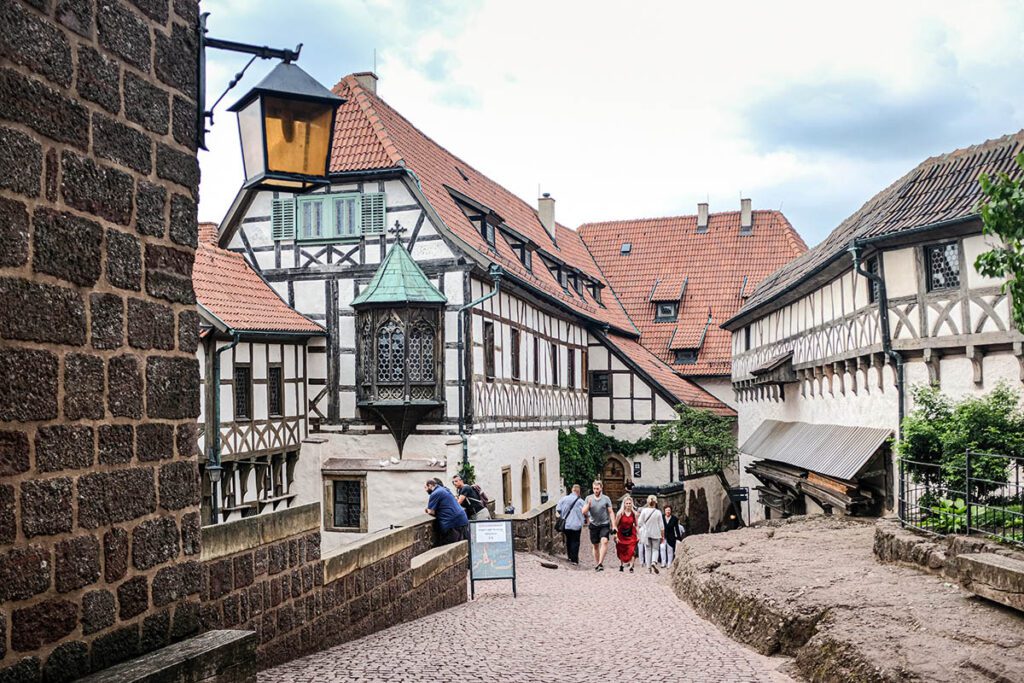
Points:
(250, 129)
(298, 134)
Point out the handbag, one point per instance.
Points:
(560, 521)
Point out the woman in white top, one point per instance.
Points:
(652, 532)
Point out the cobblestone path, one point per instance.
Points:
(548, 633)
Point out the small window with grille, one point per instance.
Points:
(514, 342)
(489, 350)
(275, 390)
(599, 383)
(943, 264)
(553, 348)
(347, 504)
(686, 356)
(874, 291)
(243, 392)
(666, 312)
(570, 368)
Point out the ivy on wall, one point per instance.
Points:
(581, 455)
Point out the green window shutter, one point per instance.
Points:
(373, 213)
(282, 219)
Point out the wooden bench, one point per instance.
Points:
(994, 577)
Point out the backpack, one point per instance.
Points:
(484, 500)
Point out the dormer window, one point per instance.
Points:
(666, 312)
(686, 356)
(576, 282)
(627, 248)
(595, 290)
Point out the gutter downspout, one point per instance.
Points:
(496, 274)
(213, 467)
(895, 356)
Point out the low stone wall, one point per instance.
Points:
(211, 657)
(934, 554)
(535, 530)
(266, 574)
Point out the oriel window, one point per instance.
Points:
(243, 392)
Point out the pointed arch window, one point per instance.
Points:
(391, 352)
(421, 352)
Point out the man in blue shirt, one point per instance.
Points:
(452, 523)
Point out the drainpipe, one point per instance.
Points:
(496, 273)
(894, 356)
(213, 467)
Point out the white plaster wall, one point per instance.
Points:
(973, 247)
(489, 453)
(900, 267)
(719, 387)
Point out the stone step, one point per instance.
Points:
(994, 577)
(223, 656)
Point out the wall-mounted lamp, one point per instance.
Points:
(286, 122)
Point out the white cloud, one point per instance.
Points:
(623, 110)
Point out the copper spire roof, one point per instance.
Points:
(399, 280)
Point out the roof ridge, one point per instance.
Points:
(970, 149)
(619, 221)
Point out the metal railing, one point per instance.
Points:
(976, 493)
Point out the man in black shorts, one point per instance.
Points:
(600, 515)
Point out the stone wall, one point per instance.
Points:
(99, 385)
(266, 574)
(535, 530)
(933, 554)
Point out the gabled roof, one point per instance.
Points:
(678, 389)
(236, 295)
(370, 135)
(666, 252)
(940, 190)
(399, 280)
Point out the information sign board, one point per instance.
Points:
(492, 554)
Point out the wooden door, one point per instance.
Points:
(613, 476)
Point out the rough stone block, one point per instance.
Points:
(107, 320)
(68, 662)
(83, 387)
(124, 379)
(67, 247)
(178, 167)
(46, 507)
(24, 572)
(125, 34)
(21, 162)
(188, 331)
(63, 447)
(115, 647)
(13, 453)
(191, 534)
(154, 9)
(169, 274)
(155, 442)
(97, 611)
(176, 582)
(244, 571)
(179, 485)
(100, 190)
(146, 104)
(8, 516)
(34, 42)
(133, 597)
(184, 221)
(121, 144)
(176, 59)
(994, 577)
(45, 313)
(219, 578)
(187, 439)
(13, 233)
(115, 555)
(150, 325)
(118, 496)
(99, 79)
(124, 261)
(172, 388)
(50, 180)
(149, 209)
(186, 620)
(42, 623)
(155, 629)
(77, 563)
(42, 108)
(77, 15)
(154, 542)
(183, 113)
(116, 444)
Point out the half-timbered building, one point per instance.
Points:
(254, 354)
(461, 320)
(826, 348)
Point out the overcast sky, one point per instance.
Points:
(625, 110)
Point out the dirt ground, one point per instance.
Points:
(811, 588)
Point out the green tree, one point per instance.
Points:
(704, 439)
(581, 456)
(1002, 215)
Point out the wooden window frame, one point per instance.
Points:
(584, 369)
(328, 208)
(329, 503)
(553, 356)
(594, 384)
(873, 266)
(506, 486)
(489, 350)
(542, 475)
(570, 367)
(669, 315)
(927, 251)
(280, 391)
(515, 339)
(536, 359)
(234, 392)
(680, 359)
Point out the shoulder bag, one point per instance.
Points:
(560, 520)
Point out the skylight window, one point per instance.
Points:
(627, 247)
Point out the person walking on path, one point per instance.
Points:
(671, 536)
(570, 510)
(626, 534)
(600, 517)
(469, 499)
(652, 532)
(452, 523)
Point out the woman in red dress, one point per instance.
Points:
(626, 535)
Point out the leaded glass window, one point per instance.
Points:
(391, 352)
(275, 390)
(943, 262)
(348, 503)
(366, 340)
(243, 392)
(421, 353)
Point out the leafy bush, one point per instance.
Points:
(581, 456)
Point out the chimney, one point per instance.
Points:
(702, 217)
(367, 80)
(746, 217)
(546, 214)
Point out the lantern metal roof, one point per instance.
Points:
(399, 280)
(289, 81)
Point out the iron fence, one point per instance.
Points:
(972, 493)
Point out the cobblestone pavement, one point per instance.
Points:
(548, 633)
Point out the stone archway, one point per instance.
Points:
(524, 490)
(613, 477)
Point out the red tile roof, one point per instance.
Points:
(369, 135)
(682, 390)
(667, 251)
(231, 290)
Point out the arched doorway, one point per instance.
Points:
(613, 476)
(524, 486)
